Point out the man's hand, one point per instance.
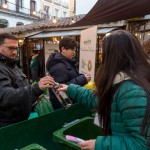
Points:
(46, 82)
(87, 145)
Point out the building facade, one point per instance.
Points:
(17, 12)
(22, 12)
(57, 9)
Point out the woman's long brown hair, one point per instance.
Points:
(121, 52)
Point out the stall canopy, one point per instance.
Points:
(68, 33)
(56, 34)
(105, 11)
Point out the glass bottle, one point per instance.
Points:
(62, 96)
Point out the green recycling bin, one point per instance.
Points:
(40, 130)
(82, 128)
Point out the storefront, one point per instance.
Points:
(48, 42)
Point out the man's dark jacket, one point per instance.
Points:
(16, 95)
(65, 71)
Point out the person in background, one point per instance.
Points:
(49, 59)
(41, 64)
(16, 94)
(146, 46)
(62, 67)
(122, 95)
(34, 66)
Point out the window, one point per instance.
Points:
(65, 4)
(3, 23)
(19, 23)
(33, 5)
(64, 14)
(46, 12)
(1, 2)
(56, 12)
(19, 5)
(46, 9)
(65, 1)
(57, 2)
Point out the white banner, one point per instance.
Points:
(50, 48)
(88, 51)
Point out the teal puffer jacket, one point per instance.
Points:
(127, 113)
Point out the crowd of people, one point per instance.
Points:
(121, 97)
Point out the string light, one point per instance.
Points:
(34, 12)
(73, 21)
(5, 4)
(107, 34)
(54, 19)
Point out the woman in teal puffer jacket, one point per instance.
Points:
(122, 95)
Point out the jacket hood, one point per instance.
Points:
(121, 76)
(58, 57)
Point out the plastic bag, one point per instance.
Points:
(90, 85)
(43, 106)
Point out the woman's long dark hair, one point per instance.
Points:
(121, 52)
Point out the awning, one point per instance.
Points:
(56, 34)
(104, 30)
(68, 33)
(106, 11)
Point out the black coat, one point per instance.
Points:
(16, 95)
(63, 70)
